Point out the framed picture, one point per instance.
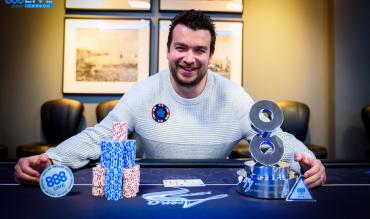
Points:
(125, 5)
(105, 56)
(224, 6)
(227, 58)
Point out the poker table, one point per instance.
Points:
(346, 195)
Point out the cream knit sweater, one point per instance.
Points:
(205, 127)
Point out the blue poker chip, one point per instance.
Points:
(160, 113)
(56, 181)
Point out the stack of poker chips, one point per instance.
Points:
(117, 176)
(131, 181)
(112, 162)
(98, 181)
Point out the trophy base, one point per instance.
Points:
(269, 182)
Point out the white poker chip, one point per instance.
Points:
(56, 181)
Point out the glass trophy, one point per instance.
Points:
(266, 176)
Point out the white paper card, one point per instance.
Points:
(183, 183)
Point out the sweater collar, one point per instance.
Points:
(189, 101)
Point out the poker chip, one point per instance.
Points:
(160, 113)
(116, 176)
(129, 153)
(131, 181)
(120, 130)
(56, 181)
(98, 181)
(97, 191)
(113, 170)
(98, 176)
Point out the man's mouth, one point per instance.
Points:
(188, 69)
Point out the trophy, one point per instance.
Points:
(266, 176)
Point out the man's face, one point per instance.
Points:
(189, 55)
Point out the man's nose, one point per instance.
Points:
(189, 58)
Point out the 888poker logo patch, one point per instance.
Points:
(56, 181)
(30, 3)
(160, 113)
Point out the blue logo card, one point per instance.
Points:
(56, 181)
(300, 192)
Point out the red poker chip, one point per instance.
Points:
(120, 130)
(131, 181)
(98, 176)
(97, 191)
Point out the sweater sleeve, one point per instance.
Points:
(292, 146)
(78, 150)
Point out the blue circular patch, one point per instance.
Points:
(160, 113)
(56, 181)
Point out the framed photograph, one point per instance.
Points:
(223, 6)
(227, 58)
(105, 56)
(125, 5)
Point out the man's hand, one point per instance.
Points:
(312, 169)
(28, 169)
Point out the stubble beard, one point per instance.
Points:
(201, 74)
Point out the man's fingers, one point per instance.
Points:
(319, 182)
(44, 158)
(314, 184)
(24, 167)
(307, 160)
(36, 160)
(29, 171)
(298, 157)
(315, 167)
(312, 179)
(323, 179)
(317, 179)
(302, 159)
(314, 171)
(23, 177)
(37, 163)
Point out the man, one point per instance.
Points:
(186, 112)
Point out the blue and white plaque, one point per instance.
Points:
(56, 181)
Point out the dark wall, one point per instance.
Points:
(31, 68)
(352, 76)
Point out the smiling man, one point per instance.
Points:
(189, 54)
(186, 112)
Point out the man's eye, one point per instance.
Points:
(180, 48)
(200, 51)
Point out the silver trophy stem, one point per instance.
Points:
(270, 182)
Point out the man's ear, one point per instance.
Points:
(210, 59)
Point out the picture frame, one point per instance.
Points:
(122, 5)
(222, 6)
(105, 56)
(226, 62)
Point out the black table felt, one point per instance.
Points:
(346, 195)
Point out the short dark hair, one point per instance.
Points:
(194, 20)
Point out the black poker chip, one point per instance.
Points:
(160, 113)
